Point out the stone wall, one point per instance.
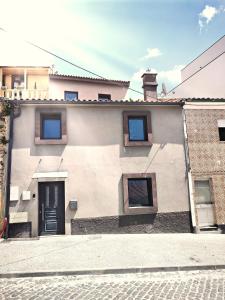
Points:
(177, 222)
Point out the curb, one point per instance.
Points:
(112, 271)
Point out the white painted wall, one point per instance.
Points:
(208, 83)
(208, 55)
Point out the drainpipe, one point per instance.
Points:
(189, 177)
(8, 174)
(13, 114)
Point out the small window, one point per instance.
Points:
(70, 96)
(104, 97)
(221, 129)
(51, 126)
(140, 193)
(202, 192)
(137, 128)
(17, 81)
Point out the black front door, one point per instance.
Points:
(51, 208)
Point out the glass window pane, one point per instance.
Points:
(71, 96)
(137, 130)
(140, 192)
(51, 129)
(202, 192)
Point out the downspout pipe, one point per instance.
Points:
(8, 175)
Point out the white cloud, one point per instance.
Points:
(151, 52)
(207, 14)
(137, 75)
(173, 75)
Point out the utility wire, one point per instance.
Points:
(73, 64)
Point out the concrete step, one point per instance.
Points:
(210, 230)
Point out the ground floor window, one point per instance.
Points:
(140, 194)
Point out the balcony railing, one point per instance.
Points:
(13, 94)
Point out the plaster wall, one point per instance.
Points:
(204, 58)
(208, 83)
(95, 160)
(86, 90)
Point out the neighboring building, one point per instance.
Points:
(204, 76)
(38, 83)
(76, 87)
(205, 134)
(98, 166)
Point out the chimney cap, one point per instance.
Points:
(148, 72)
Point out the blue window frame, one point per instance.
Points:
(70, 96)
(51, 126)
(137, 128)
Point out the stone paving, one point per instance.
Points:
(199, 285)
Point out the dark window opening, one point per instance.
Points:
(104, 97)
(17, 81)
(137, 128)
(70, 96)
(222, 133)
(51, 126)
(140, 192)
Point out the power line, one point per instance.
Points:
(73, 64)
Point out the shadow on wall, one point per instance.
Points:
(47, 150)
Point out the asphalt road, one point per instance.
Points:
(199, 285)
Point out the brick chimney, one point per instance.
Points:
(149, 85)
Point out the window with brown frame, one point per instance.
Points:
(140, 196)
(137, 128)
(50, 126)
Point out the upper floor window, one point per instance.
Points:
(137, 128)
(70, 96)
(221, 128)
(50, 126)
(17, 81)
(104, 97)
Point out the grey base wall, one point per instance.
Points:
(20, 230)
(176, 222)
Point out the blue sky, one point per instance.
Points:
(117, 39)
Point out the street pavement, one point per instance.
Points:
(195, 285)
(111, 253)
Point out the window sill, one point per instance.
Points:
(140, 210)
(137, 144)
(62, 141)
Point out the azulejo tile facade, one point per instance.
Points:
(207, 153)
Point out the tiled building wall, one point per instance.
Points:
(207, 153)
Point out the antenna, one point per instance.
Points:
(164, 91)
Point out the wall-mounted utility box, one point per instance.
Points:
(26, 195)
(14, 193)
(18, 217)
(73, 204)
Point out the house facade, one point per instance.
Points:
(203, 77)
(98, 167)
(205, 135)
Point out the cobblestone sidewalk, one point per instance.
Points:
(199, 285)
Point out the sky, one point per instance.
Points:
(117, 39)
